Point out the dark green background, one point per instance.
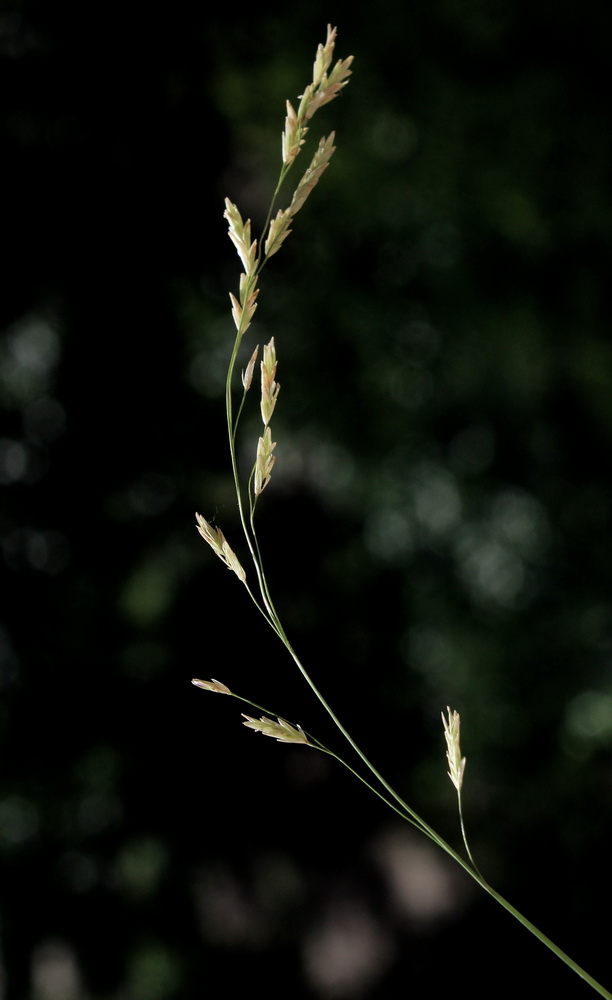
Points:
(437, 530)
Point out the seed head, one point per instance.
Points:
(265, 462)
(281, 730)
(293, 136)
(278, 231)
(247, 375)
(211, 685)
(324, 88)
(269, 388)
(456, 763)
(219, 545)
(240, 234)
(312, 175)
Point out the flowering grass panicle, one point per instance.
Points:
(327, 83)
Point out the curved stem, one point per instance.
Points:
(266, 606)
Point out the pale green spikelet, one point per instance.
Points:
(456, 763)
(279, 226)
(269, 388)
(219, 545)
(211, 685)
(265, 462)
(293, 136)
(278, 231)
(281, 730)
(247, 374)
(312, 175)
(324, 56)
(324, 88)
(243, 310)
(240, 235)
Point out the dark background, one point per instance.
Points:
(437, 530)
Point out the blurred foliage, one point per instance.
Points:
(437, 529)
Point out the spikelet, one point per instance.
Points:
(293, 136)
(269, 388)
(456, 763)
(264, 462)
(219, 545)
(278, 231)
(240, 234)
(281, 730)
(247, 375)
(323, 89)
(211, 685)
(324, 56)
(244, 307)
(313, 174)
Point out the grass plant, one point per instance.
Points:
(327, 83)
